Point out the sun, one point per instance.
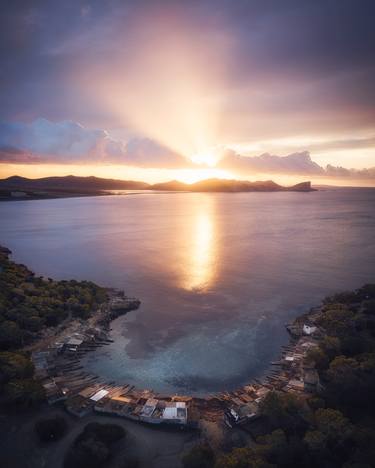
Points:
(190, 176)
(206, 158)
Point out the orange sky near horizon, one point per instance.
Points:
(34, 171)
(156, 91)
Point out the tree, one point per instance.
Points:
(107, 433)
(316, 442)
(284, 411)
(337, 320)
(366, 292)
(351, 382)
(14, 366)
(32, 323)
(200, 456)
(91, 449)
(369, 307)
(346, 297)
(352, 345)
(10, 335)
(330, 442)
(317, 356)
(316, 402)
(24, 392)
(89, 453)
(343, 379)
(243, 458)
(364, 453)
(281, 450)
(333, 424)
(331, 346)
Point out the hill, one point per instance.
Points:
(63, 186)
(225, 185)
(71, 183)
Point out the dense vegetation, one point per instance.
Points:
(336, 427)
(28, 305)
(17, 384)
(92, 448)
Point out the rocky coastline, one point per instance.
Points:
(57, 361)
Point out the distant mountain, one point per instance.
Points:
(225, 185)
(172, 186)
(70, 183)
(94, 184)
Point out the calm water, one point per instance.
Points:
(218, 274)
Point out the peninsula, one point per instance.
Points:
(20, 188)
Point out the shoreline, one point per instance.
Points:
(149, 192)
(237, 407)
(30, 196)
(57, 354)
(25, 189)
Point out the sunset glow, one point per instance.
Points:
(208, 157)
(161, 91)
(200, 269)
(194, 175)
(170, 96)
(187, 255)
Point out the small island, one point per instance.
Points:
(313, 408)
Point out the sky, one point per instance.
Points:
(156, 90)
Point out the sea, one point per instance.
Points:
(218, 274)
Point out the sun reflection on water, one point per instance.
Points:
(201, 263)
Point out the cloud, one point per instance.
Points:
(345, 143)
(67, 142)
(299, 163)
(292, 66)
(143, 151)
(64, 139)
(295, 163)
(342, 172)
(9, 154)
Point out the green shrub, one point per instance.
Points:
(200, 456)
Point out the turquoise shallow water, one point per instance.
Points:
(218, 274)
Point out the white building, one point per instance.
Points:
(175, 412)
(309, 329)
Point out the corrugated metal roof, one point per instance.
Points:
(99, 395)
